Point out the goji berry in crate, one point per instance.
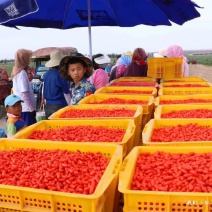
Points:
(182, 133)
(162, 171)
(194, 113)
(77, 113)
(80, 134)
(185, 101)
(120, 101)
(55, 170)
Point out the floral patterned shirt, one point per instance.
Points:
(84, 88)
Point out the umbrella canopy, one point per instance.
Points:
(65, 14)
(13, 9)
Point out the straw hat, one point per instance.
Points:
(55, 58)
(128, 53)
(75, 55)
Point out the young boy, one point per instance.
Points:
(77, 69)
(14, 121)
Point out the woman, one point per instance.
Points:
(21, 85)
(56, 90)
(177, 52)
(138, 66)
(100, 77)
(119, 69)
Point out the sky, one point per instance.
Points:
(194, 34)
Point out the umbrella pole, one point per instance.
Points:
(89, 28)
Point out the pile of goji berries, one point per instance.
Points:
(182, 133)
(173, 172)
(55, 170)
(91, 113)
(120, 101)
(141, 84)
(80, 134)
(185, 101)
(129, 92)
(194, 113)
(186, 85)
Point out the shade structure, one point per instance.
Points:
(66, 14)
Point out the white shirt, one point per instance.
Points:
(21, 84)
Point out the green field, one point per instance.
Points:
(202, 59)
(9, 66)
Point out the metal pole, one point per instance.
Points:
(89, 28)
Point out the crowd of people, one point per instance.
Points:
(70, 78)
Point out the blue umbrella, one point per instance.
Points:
(66, 14)
(13, 9)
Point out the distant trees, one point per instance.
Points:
(7, 61)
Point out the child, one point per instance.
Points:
(77, 69)
(14, 121)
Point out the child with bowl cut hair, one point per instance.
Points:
(76, 69)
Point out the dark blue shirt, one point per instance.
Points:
(55, 87)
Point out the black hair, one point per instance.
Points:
(74, 61)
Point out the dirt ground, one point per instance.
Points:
(202, 71)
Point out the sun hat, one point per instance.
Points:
(55, 58)
(102, 59)
(74, 55)
(11, 100)
(128, 53)
(160, 53)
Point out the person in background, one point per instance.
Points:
(108, 69)
(138, 66)
(118, 70)
(175, 51)
(160, 53)
(76, 68)
(14, 121)
(56, 93)
(99, 78)
(21, 85)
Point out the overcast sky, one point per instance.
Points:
(195, 34)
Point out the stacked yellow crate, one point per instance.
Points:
(171, 101)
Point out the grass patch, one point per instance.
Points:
(201, 59)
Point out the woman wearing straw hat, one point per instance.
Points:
(56, 89)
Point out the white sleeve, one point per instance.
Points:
(68, 98)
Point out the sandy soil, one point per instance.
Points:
(202, 71)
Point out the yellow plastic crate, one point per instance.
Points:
(15, 198)
(183, 97)
(164, 109)
(165, 68)
(158, 123)
(135, 79)
(111, 89)
(146, 201)
(137, 116)
(95, 98)
(167, 84)
(184, 79)
(127, 125)
(184, 91)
